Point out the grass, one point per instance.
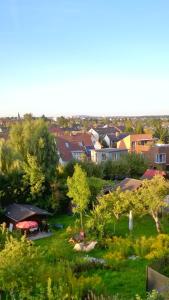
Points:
(128, 279)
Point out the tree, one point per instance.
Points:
(136, 163)
(79, 191)
(109, 207)
(128, 125)
(28, 162)
(139, 127)
(151, 198)
(100, 217)
(62, 121)
(33, 176)
(33, 137)
(28, 116)
(8, 160)
(161, 132)
(130, 165)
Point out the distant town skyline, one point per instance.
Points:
(84, 57)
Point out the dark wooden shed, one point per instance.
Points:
(15, 213)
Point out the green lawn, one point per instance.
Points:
(128, 279)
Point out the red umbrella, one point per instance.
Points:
(27, 225)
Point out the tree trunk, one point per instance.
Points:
(130, 221)
(157, 221)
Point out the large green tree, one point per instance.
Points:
(28, 163)
(151, 197)
(33, 137)
(79, 191)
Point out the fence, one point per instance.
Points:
(157, 281)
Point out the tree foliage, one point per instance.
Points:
(28, 162)
(79, 191)
(161, 132)
(151, 197)
(148, 199)
(32, 137)
(33, 176)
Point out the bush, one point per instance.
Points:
(159, 247)
(142, 246)
(123, 247)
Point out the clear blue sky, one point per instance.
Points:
(84, 57)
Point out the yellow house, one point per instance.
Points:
(136, 142)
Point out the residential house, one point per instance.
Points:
(75, 146)
(112, 139)
(138, 143)
(158, 156)
(104, 154)
(99, 133)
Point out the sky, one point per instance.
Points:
(95, 57)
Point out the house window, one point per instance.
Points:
(160, 158)
(103, 156)
(114, 156)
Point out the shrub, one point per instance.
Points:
(123, 246)
(159, 247)
(142, 246)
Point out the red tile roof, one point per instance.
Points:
(83, 138)
(56, 130)
(141, 137)
(65, 148)
(150, 173)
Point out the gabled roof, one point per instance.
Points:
(130, 184)
(68, 143)
(84, 138)
(56, 130)
(19, 212)
(108, 130)
(115, 138)
(66, 147)
(150, 173)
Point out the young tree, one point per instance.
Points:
(109, 207)
(100, 216)
(79, 191)
(151, 198)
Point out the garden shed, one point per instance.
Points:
(17, 213)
